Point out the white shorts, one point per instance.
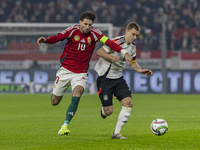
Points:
(66, 78)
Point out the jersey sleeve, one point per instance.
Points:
(105, 40)
(113, 44)
(97, 34)
(61, 36)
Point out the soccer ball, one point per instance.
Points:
(159, 127)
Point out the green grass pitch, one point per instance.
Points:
(30, 122)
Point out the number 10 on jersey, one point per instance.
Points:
(81, 46)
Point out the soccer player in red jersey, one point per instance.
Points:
(81, 41)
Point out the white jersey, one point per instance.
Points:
(115, 69)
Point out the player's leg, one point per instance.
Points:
(76, 95)
(105, 93)
(61, 84)
(106, 110)
(78, 83)
(123, 116)
(55, 100)
(123, 94)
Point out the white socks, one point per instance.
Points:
(122, 118)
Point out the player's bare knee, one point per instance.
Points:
(130, 104)
(55, 100)
(108, 112)
(77, 91)
(127, 102)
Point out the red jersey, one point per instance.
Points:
(78, 49)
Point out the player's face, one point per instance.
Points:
(85, 26)
(131, 35)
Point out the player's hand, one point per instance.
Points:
(146, 72)
(116, 58)
(41, 40)
(128, 58)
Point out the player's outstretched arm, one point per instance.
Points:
(102, 53)
(137, 68)
(41, 40)
(116, 47)
(128, 58)
(146, 72)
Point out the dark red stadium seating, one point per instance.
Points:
(26, 46)
(35, 46)
(180, 31)
(13, 45)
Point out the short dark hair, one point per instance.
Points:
(132, 25)
(87, 15)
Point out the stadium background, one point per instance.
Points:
(27, 67)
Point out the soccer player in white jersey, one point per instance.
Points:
(110, 80)
(81, 41)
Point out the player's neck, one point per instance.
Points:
(126, 40)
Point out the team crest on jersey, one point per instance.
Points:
(89, 40)
(76, 37)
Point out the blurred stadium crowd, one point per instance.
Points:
(182, 18)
